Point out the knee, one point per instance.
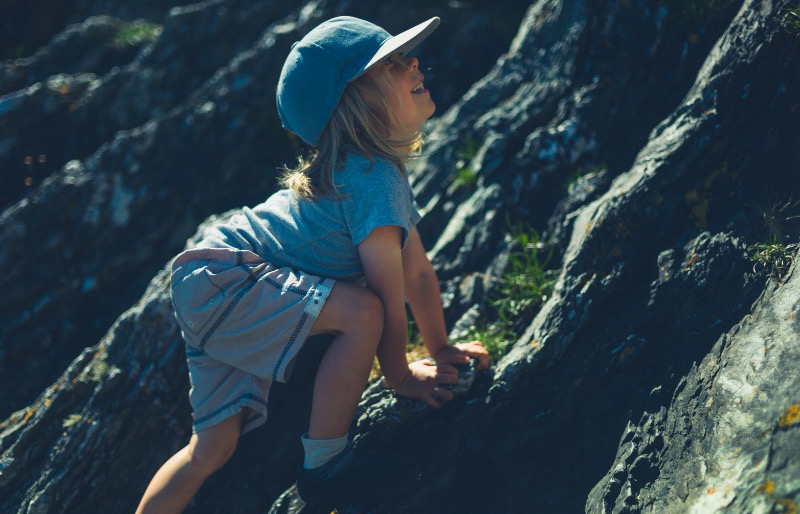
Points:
(207, 454)
(370, 313)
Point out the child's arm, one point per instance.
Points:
(381, 257)
(424, 297)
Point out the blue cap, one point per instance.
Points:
(319, 67)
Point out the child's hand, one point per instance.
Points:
(460, 354)
(425, 382)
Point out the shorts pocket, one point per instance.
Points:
(196, 300)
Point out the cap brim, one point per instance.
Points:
(401, 43)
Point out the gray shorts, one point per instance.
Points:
(244, 321)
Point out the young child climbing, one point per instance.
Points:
(335, 251)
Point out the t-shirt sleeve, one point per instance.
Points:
(378, 197)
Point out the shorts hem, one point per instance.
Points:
(257, 417)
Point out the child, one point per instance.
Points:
(249, 295)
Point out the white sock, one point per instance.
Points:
(320, 451)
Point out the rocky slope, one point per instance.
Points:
(659, 375)
(108, 171)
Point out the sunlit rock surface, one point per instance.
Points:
(652, 145)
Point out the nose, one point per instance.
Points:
(413, 62)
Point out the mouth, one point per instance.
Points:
(420, 89)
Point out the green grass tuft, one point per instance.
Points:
(72, 419)
(791, 20)
(525, 284)
(497, 339)
(137, 32)
(465, 176)
(97, 370)
(773, 257)
(582, 172)
(526, 281)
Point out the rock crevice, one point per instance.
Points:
(652, 146)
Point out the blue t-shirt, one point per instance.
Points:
(320, 236)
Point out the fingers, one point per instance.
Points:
(431, 380)
(430, 400)
(475, 349)
(483, 360)
(443, 394)
(447, 369)
(426, 362)
(447, 377)
(457, 359)
(437, 396)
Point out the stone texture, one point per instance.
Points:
(29, 25)
(728, 437)
(658, 376)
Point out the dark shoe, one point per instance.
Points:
(358, 474)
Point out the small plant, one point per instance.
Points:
(791, 19)
(497, 340)
(414, 345)
(465, 177)
(774, 257)
(526, 281)
(136, 32)
(582, 172)
(97, 370)
(72, 419)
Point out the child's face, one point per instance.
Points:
(410, 101)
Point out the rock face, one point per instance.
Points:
(659, 375)
(725, 441)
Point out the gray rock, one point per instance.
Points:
(27, 27)
(88, 47)
(728, 437)
(631, 388)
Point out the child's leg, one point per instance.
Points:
(331, 472)
(177, 481)
(355, 314)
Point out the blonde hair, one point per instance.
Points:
(362, 123)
